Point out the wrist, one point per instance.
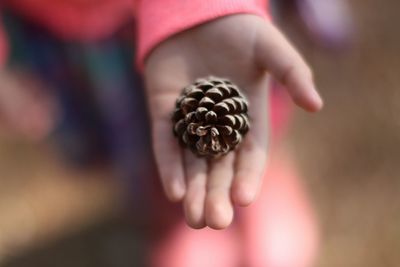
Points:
(158, 22)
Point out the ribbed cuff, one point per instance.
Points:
(160, 19)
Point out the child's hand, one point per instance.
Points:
(244, 48)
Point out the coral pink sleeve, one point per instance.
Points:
(3, 46)
(160, 19)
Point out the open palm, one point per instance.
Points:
(245, 49)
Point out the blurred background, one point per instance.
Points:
(54, 213)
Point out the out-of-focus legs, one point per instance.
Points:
(186, 247)
(279, 229)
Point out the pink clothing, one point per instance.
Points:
(82, 20)
(157, 20)
(3, 47)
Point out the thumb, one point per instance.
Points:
(275, 54)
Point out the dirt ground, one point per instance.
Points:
(350, 152)
(349, 155)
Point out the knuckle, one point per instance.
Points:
(294, 70)
(308, 72)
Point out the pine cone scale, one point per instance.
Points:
(215, 94)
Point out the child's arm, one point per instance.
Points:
(245, 47)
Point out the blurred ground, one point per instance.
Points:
(350, 152)
(349, 155)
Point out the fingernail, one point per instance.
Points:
(178, 189)
(316, 99)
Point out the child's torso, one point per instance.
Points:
(76, 19)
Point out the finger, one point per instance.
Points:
(196, 180)
(163, 85)
(165, 146)
(278, 56)
(250, 165)
(252, 153)
(169, 160)
(218, 205)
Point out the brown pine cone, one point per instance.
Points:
(210, 117)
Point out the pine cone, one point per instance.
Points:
(210, 117)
